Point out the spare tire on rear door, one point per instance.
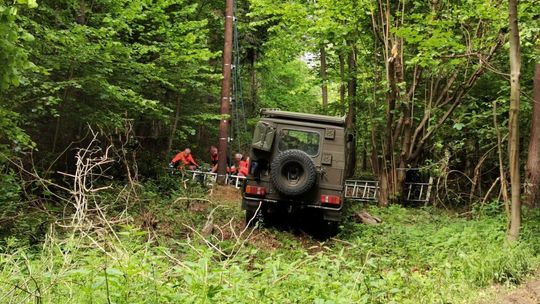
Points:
(293, 172)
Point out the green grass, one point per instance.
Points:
(415, 256)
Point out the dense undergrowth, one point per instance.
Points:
(162, 254)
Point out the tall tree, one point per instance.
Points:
(532, 182)
(351, 112)
(513, 141)
(426, 53)
(324, 79)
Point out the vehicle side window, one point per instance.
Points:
(301, 140)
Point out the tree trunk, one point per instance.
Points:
(253, 82)
(58, 121)
(81, 17)
(515, 65)
(385, 190)
(388, 177)
(351, 113)
(342, 85)
(502, 173)
(532, 189)
(365, 157)
(324, 88)
(174, 126)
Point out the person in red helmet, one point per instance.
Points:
(184, 159)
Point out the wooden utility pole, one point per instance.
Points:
(513, 140)
(225, 93)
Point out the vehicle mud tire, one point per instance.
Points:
(293, 172)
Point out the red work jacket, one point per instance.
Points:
(244, 168)
(186, 160)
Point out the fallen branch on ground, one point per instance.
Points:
(366, 218)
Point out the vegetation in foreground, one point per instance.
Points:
(165, 253)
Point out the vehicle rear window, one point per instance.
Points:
(301, 140)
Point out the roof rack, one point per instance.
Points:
(275, 113)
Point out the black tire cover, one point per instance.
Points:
(293, 172)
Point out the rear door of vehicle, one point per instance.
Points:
(307, 139)
(333, 160)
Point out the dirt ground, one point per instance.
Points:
(225, 193)
(526, 293)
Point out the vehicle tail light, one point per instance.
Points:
(256, 190)
(331, 199)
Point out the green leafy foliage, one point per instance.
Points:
(99, 64)
(9, 194)
(288, 86)
(15, 61)
(11, 52)
(414, 256)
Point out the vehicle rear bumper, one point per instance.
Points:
(329, 213)
(254, 202)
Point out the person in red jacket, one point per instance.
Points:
(184, 159)
(243, 169)
(240, 166)
(214, 158)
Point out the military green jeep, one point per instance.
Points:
(297, 169)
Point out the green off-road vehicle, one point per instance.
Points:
(297, 170)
